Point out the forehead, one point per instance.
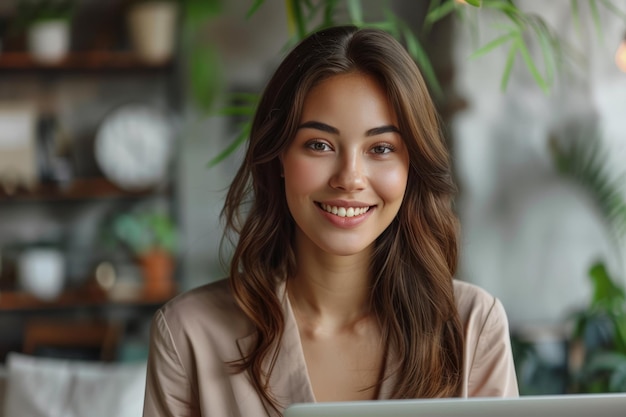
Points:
(355, 97)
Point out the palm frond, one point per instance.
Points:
(584, 161)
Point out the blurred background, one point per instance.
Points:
(120, 126)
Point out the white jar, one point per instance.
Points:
(49, 40)
(41, 272)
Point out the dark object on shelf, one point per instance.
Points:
(8, 270)
(53, 168)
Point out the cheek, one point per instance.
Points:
(301, 175)
(391, 183)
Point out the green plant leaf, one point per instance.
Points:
(507, 7)
(508, 67)
(617, 381)
(576, 15)
(241, 138)
(619, 323)
(205, 77)
(584, 161)
(439, 12)
(596, 18)
(198, 12)
(253, 9)
(296, 18)
(605, 292)
(549, 47)
(237, 111)
(329, 12)
(605, 361)
(386, 26)
(494, 44)
(356, 12)
(416, 50)
(530, 64)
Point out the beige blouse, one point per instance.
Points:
(195, 334)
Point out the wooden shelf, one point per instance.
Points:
(79, 61)
(78, 189)
(12, 301)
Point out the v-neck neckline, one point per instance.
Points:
(386, 382)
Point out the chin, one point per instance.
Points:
(347, 250)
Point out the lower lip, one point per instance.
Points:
(346, 222)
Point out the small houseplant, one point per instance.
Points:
(150, 236)
(47, 25)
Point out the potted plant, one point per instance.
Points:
(150, 236)
(47, 24)
(598, 359)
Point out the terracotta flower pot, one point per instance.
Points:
(157, 268)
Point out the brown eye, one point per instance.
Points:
(382, 149)
(318, 146)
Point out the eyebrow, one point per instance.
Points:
(333, 130)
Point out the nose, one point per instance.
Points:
(349, 174)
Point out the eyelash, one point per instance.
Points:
(314, 143)
(387, 147)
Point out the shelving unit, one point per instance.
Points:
(80, 61)
(20, 301)
(77, 189)
(79, 202)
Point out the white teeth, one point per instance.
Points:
(345, 212)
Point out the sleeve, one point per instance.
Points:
(492, 372)
(169, 392)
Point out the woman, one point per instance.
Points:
(341, 284)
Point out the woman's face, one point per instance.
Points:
(346, 169)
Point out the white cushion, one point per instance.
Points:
(44, 387)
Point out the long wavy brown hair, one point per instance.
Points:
(415, 258)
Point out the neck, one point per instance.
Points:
(331, 292)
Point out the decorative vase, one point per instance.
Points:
(49, 41)
(152, 27)
(157, 268)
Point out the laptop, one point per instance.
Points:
(571, 405)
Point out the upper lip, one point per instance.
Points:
(345, 203)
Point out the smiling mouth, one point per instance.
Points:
(344, 211)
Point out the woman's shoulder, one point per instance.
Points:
(208, 296)
(209, 306)
(475, 303)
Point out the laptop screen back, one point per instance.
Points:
(587, 405)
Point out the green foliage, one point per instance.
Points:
(141, 231)
(203, 62)
(520, 34)
(29, 12)
(602, 328)
(583, 160)
(302, 16)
